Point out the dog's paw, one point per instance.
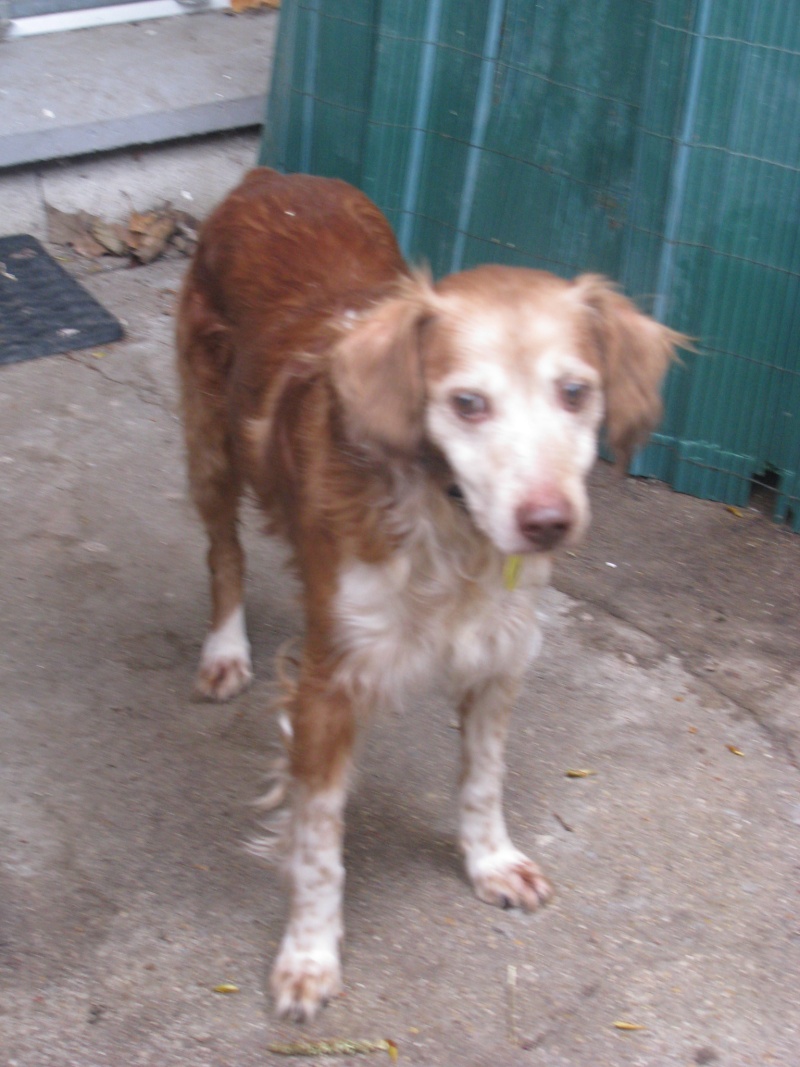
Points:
(225, 667)
(508, 879)
(303, 982)
(222, 678)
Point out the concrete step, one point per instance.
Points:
(127, 116)
(192, 174)
(94, 90)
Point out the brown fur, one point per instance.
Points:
(309, 355)
(634, 353)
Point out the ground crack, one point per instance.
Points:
(147, 394)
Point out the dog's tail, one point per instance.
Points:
(270, 843)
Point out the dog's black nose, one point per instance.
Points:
(545, 522)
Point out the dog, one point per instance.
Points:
(423, 449)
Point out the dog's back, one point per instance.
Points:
(280, 265)
(280, 257)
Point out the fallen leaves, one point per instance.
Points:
(144, 237)
(149, 233)
(226, 987)
(511, 995)
(73, 229)
(248, 5)
(112, 236)
(335, 1047)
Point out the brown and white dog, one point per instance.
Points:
(423, 448)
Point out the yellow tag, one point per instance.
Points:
(511, 569)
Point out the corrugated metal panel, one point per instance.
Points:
(654, 141)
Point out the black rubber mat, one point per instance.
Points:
(42, 309)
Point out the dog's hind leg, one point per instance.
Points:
(225, 666)
(499, 872)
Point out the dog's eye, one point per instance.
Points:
(472, 407)
(574, 394)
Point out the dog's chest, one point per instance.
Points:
(412, 617)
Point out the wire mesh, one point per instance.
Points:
(652, 140)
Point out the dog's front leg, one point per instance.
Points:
(308, 972)
(499, 872)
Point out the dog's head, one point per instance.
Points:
(509, 374)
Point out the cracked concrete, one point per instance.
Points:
(125, 896)
(112, 184)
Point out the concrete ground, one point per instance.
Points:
(670, 670)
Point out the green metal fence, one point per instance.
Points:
(657, 141)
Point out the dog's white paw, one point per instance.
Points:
(223, 678)
(508, 879)
(225, 667)
(303, 982)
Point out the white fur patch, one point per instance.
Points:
(528, 444)
(307, 971)
(508, 879)
(225, 666)
(499, 872)
(417, 615)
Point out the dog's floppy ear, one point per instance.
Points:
(634, 354)
(377, 369)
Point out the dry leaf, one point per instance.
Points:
(149, 233)
(621, 1025)
(112, 236)
(250, 5)
(226, 987)
(140, 222)
(580, 773)
(511, 991)
(73, 229)
(736, 751)
(145, 237)
(187, 229)
(336, 1047)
